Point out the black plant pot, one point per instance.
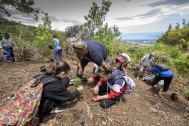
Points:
(187, 97)
(52, 60)
(43, 69)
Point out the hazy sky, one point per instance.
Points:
(131, 16)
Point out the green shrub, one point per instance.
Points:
(186, 93)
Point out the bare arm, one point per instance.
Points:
(103, 97)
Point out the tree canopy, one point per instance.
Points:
(24, 6)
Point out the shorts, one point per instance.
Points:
(144, 69)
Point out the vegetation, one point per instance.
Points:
(177, 37)
(24, 6)
(77, 82)
(186, 93)
(97, 15)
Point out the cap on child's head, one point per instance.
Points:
(152, 55)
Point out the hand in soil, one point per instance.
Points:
(90, 80)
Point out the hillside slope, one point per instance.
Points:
(141, 108)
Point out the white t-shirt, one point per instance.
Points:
(146, 60)
(7, 42)
(124, 54)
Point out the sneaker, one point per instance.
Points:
(61, 108)
(143, 78)
(137, 78)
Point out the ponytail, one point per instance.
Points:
(54, 68)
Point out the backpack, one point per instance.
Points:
(162, 67)
(130, 84)
(23, 108)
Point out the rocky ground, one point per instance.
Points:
(144, 107)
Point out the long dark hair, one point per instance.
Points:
(54, 68)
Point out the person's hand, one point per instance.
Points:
(90, 80)
(96, 98)
(80, 88)
(96, 89)
(80, 71)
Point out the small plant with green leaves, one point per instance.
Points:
(186, 93)
(77, 82)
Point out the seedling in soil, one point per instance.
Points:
(77, 82)
(186, 94)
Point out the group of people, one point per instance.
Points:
(109, 89)
(91, 51)
(7, 44)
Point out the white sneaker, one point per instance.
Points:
(137, 78)
(61, 108)
(143, 78)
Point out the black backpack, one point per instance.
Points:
(162, 67)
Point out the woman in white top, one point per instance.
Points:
(7, 45)
(124, 60)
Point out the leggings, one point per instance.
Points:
(106, 103)
(59, 52)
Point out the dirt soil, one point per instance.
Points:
(144, 107)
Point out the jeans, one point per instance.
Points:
(10, 50)
(59, 52)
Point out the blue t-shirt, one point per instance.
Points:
(165, 73)
(57, 44)
(97, 52)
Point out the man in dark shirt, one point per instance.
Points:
(89, 51)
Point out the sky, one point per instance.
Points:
(134, 18)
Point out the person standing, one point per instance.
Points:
(145, 63)
(7, 45)
(89, 51)
(57, 49)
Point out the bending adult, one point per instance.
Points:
(125, 62)
(8, 44)
(145, 63)
(165, 75)
(90, 51)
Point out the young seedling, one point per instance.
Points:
(77, 82)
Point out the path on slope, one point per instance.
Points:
(141, 108)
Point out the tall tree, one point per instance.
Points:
(97, 15)
(24, 6)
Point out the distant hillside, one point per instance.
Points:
(150, 41)
(141, 36)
